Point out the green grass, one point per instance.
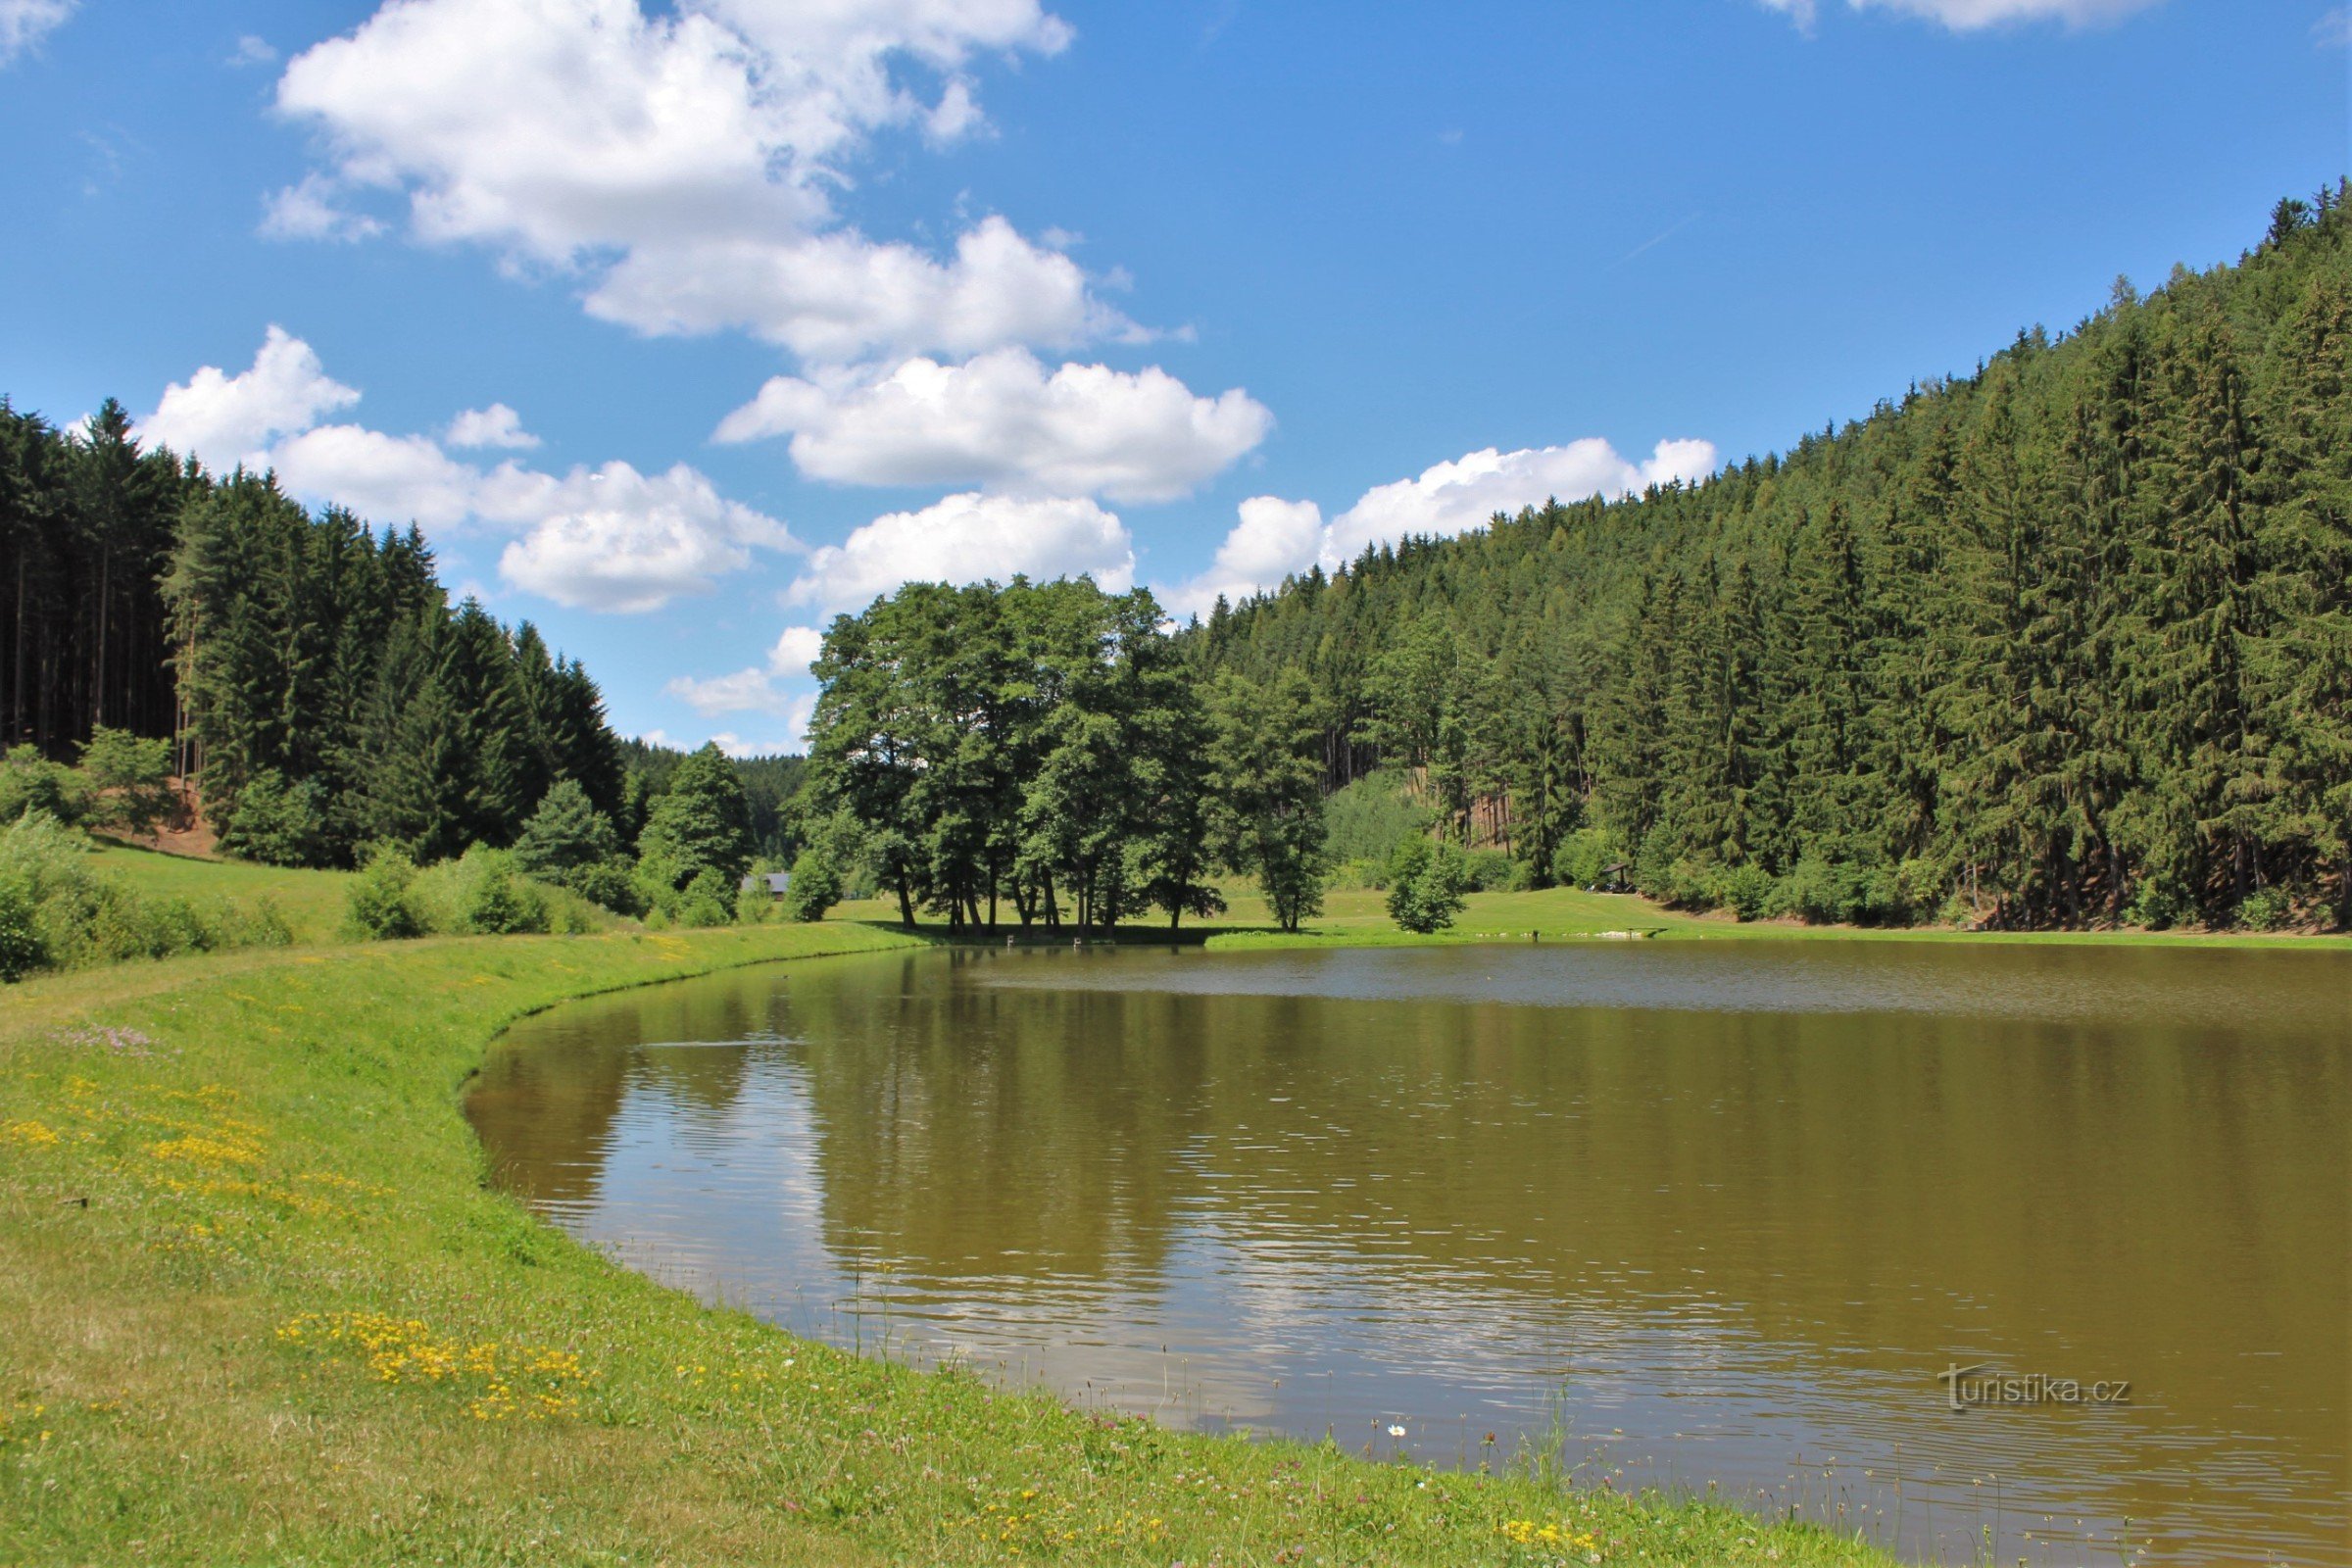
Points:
(259, 1304)
(1358, 917)
(312, 902)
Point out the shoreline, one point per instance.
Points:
(241, 1201)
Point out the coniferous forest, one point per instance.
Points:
(2066, 640)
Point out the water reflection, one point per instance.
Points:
(1724, 1210)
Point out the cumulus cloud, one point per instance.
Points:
(1276, 538)
(308, 210)
(604, 538)
(967, 538)
(24, 23)
(1970, 15)
(1002, 421)
(1450, 498)
(685, 163)
(226, 419)
(494, 427)
(755, 689)
(253, 50)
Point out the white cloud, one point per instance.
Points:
(1450, 498)
(1000, 419)
(2333, 29)
(253, 50)
(1970, 15)
(24, 23)
(967, 538)
(308, 210)
(755, 690)
(685, 163)
(796, 650)
(494, 427)
(614, 539)
(226, 419)
(836, 297)
(1276, 538)
(607, 538)
(385, 478)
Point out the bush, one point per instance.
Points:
(706, 901)
(127, 776)
(1425, 885)
(1487, 870)
(1746, 891)
(383, 905)
(482, 893)
(277, 823)
(815, 888)
(30, 782)
(608, 883)
(1842, 893)
(1582, 856)
(1365, 820)
(22, 947)
(564, 834)
(2265, 909)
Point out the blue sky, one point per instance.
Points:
(683, 327)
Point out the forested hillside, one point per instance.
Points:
(2068, 640)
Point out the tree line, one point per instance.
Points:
(2067, 640)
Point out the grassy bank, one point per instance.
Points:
(256, 1304)
(1358, 917)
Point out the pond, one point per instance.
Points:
(1702, 1215)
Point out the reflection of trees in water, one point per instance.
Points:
(2093, 1198)
(1881, 1190)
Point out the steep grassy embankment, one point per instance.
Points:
(257, 1306)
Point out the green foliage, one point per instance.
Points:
(482, 893)
(608, 883)
(1426, 882)
(564, 834)
(697, 831)
(30, 782)
(1746, 891)
(815, 888)
(1489, 871)
(1265, 778)
(277, 823)
(2265, 909)
(1368, 816)
(1582, 856)
(126, 777)
(383, 907)
(2063, 642)
(59, 912)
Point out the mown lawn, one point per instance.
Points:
(258, 1305)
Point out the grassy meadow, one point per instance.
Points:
(260, 1305)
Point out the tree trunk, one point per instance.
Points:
(906, 902)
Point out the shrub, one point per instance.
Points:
(1582, 856)
(381, 902)
(1487, 870)
(607, 883)
(705, 901)
(1425, 885)
(1746, 891)
(815, 888)
(482, 893)
(1365, 820)
(277, 823)
(1842, 893)
(128, 775)
(2265, 909)
(30, 782)
(22, 947)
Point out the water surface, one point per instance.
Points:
(1701, 1214)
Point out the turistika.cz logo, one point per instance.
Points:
(1978, 1387)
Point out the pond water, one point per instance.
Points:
(1693, 1215)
